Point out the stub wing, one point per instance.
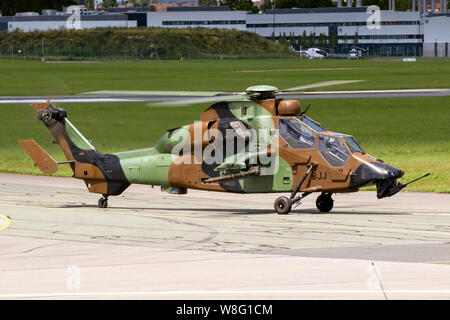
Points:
(42, 159)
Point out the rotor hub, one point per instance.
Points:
(262, 92)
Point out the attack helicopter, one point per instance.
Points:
(246, 142)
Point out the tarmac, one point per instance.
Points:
(57, 244)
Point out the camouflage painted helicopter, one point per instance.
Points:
(250, 142)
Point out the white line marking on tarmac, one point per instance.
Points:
(216, 292)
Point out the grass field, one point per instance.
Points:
(35, 78)
(409, 133)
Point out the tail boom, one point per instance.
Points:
(102, 173)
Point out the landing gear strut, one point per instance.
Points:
(283, 205)
(103, 201)
(324, 202)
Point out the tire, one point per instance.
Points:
(324, 202)
(102, 202)
(282, 205)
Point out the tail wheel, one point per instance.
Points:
(324, 202)
(282, 205)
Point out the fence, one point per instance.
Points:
(92, 53)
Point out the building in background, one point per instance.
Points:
(421, 31)
(436, 35)
(192, 17)
(399, 32)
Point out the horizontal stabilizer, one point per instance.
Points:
(41, 158)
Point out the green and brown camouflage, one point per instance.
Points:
(263, 145)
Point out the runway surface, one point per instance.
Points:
(56, 243)
(109, 98)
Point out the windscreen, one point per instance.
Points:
(333, 149)
(296, 135)
(312, 124)
(353, 144)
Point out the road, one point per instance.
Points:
(56, 243)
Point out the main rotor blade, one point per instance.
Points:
(185, 102)
(155, 93)
(320, 84)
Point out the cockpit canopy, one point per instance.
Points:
(322, 52)
(303, 133)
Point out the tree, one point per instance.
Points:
(11, 7)
(292, 39)
(144, 3)
(322, 40)
(240, 5)
(282, 40)
(344, 41)
(383, 4)
(267, 4)
(312, 39)
(207, 3)
(90, 5)
(304, 40)
(355, 40)
(403, 5)
(109, 3)
(280, 4)
(333, 40)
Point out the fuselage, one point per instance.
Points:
(247, 146)
(232, 138)
(315, 53)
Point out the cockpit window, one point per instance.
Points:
(312, 124)
(333, 150)
(353, 144)
(296, 135)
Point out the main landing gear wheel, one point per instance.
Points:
(282, 205)
(103, 202)
(324, 202)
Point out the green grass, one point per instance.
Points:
(36, 78)
(409, 133)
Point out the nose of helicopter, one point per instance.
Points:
(369, 173)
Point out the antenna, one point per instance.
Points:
(306, 110)
(402, 185)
